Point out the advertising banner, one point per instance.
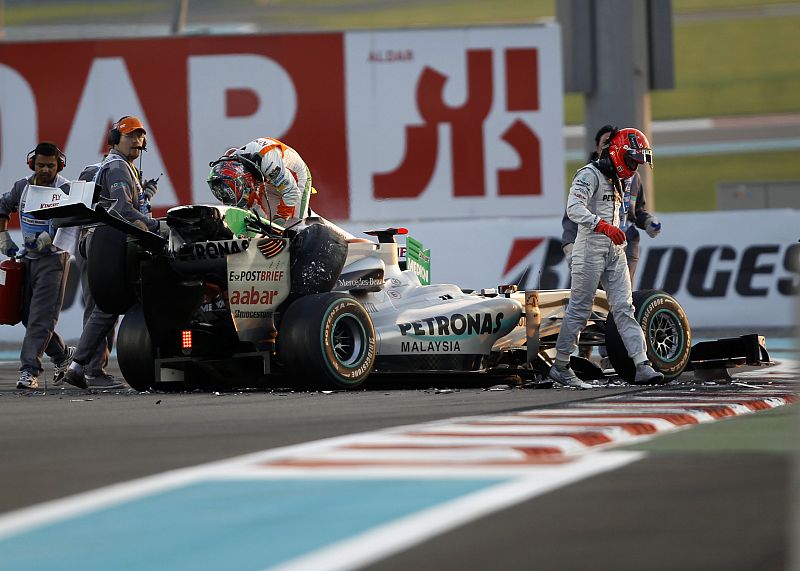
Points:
(425, 124)
(454, 123)
(197, 96)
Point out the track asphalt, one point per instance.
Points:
(503, 479)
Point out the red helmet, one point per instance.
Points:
(231, 183)
(629, 148)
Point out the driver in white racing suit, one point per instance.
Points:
(598, 255)
(268, 177)
(286, 179)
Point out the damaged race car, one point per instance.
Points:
(230, 300)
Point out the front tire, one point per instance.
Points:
(328, 336)
(667, 336)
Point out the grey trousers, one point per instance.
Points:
(99, 360)
(45, 282)
(597, 261)
(98, 328)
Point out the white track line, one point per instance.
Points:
(385, 540)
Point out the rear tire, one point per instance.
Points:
(107, 270)
(667, 336)
(135, 354)
(328, 336)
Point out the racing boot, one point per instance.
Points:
(647, 375)
(566, 377)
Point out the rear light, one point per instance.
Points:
(186, 339)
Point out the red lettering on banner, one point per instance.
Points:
(158, 70)
(413, 175)
(521, 248)
(526, 179)
(466, 154)
(102, 136)
(466, 122)
(522, 79)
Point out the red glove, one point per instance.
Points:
(284, 210)
(617, 236)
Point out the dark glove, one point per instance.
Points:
(43, 242)
(652, 226)
(7, 246)
(151, 188)
(617, 236)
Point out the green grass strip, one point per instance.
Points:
(772, 431)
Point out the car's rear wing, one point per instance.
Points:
(82, 206)
(711, 360)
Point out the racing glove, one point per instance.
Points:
(617, 236)
(652, 226)
(43, 242)
(151, 188)
(7, 246)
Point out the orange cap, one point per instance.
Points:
(130, 124)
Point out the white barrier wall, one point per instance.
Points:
(454, 123)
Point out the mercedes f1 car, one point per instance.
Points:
(229, 299)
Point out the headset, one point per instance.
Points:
(114, 135)
(47, 149)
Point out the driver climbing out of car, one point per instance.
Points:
(598, 255)
(270, 178)
(265, 175)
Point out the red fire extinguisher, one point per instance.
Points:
(12, 276)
